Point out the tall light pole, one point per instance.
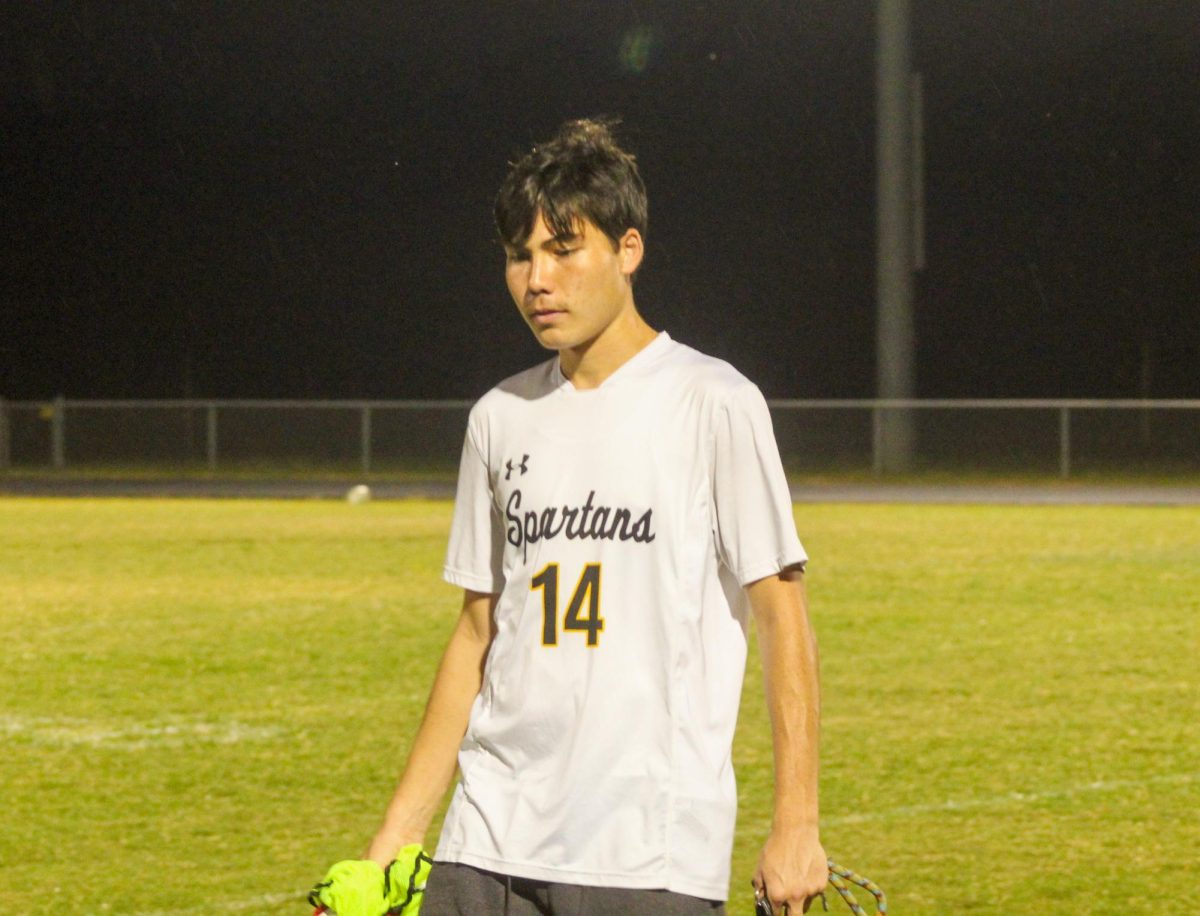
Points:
(899, 239)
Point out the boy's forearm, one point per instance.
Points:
(432, 759)
(791, 677)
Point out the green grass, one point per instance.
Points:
(206, 703)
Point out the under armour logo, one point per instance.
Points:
(522, 467)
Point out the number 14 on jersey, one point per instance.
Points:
(583, 610)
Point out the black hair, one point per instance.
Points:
(581, 174)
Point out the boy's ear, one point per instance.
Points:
(630, 250)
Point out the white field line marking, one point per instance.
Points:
(1012, 798)
(65, 732)
(227, 906)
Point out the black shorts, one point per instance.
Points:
(463, 890)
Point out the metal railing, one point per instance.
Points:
(1040, 435)
(1061, 409)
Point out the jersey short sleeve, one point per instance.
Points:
(474, 558)
(756, 532)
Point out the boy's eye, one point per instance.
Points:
(518, 256)
(563, 252)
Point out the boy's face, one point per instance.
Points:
(570, 289)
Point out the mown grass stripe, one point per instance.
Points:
(1008, 799)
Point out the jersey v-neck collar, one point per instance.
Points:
(642, 356)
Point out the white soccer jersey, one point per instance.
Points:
(618, 526)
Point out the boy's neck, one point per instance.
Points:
(589, 365)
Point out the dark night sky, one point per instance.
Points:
(293, 199)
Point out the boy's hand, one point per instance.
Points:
(792, 872)
(359, 887)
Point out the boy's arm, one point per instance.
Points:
(793, 868)
(432, 760)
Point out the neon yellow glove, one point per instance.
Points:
(404, 880)
(361, 888)
(351, 888)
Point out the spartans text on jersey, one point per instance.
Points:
(586, 522)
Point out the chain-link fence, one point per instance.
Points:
(1062, 437)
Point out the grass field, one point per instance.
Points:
(204, 704)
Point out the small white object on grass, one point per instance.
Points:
(358, 494)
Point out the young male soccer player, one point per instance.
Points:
(621, 513)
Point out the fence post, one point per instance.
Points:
(1064, 442)
(877, 440)
(366, 438)
(58, 434)
(210, 438)
(5, 439)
